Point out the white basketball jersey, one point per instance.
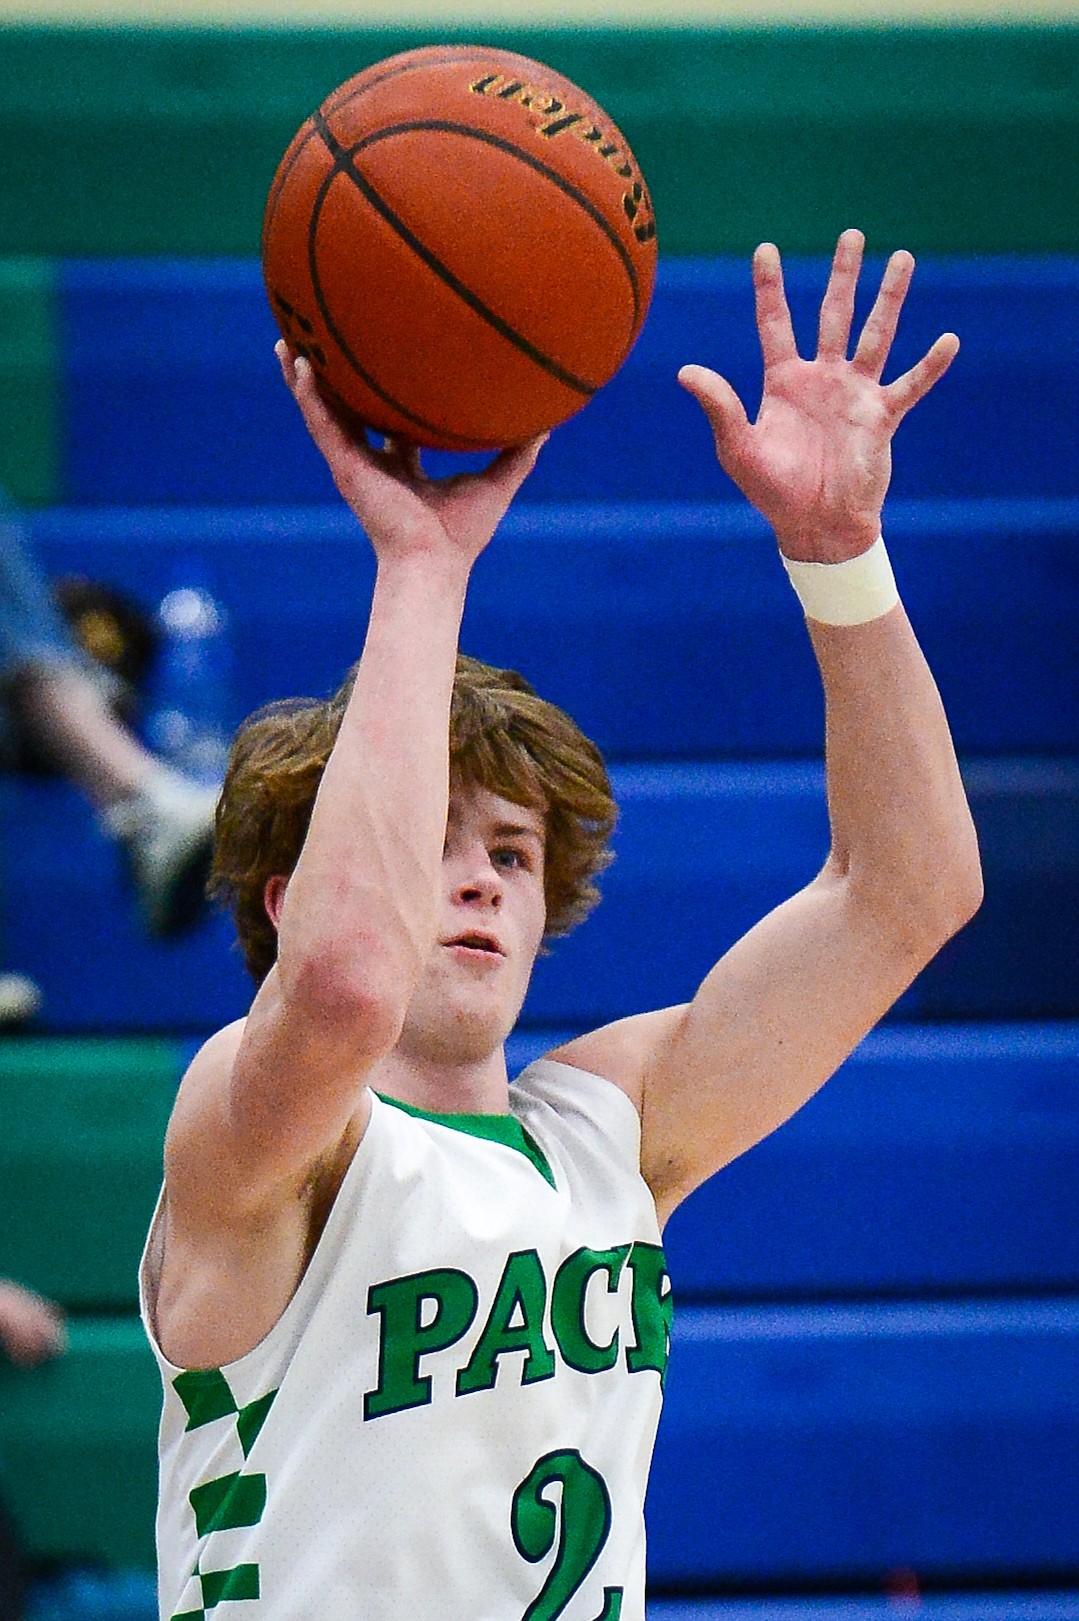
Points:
(453, 1419)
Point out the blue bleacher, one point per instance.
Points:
(940, 1160)
(172, 394)
(132, 1596)
(874, 1384)
(837, 1443)
(906, 1602)
(710, 659)
(668, 630)
(703, 851)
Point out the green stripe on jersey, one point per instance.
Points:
(229, 1502)
(239, 1583)
(250, 1420)
(496, 1128)
(205, 1394)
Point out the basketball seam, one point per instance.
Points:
(278, 184)
(463, 440)
(449, 127)
(343, 164)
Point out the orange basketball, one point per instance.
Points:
(462, 244)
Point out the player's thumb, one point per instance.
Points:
(720, 404)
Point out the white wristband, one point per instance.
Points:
(849, 593)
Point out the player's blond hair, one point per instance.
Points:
(503, 737)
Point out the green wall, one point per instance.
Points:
(81, 1162)
(945, 140)
(77, 1439)
(80, 1166)
(29, 429)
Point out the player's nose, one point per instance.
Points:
(479, 880)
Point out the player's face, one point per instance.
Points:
(491, 924)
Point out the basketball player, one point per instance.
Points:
(413, 1322)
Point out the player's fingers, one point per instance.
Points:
(511, 467)
(915, 384)
(414, 462)
(720, 404)
(773, 313)
(837, 306)
(285, 361)
(405, 454)
(878, 334)
(327, 432)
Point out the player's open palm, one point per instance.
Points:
(402, 510)
(817, 461)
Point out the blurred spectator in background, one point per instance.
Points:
(31, 1328)
(31, 1331)
(55, 697)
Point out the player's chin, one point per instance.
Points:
(467, 1038)
(487, 1020)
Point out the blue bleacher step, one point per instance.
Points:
(666, 630)
(940, 1159)
(704, 851)
(838, 1444)
(132, 1596)
(172, 393)
(916, 1606)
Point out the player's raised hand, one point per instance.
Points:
(817, 461)
(402, 510)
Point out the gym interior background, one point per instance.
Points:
(873, 1400)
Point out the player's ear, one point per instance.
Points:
(273, 898)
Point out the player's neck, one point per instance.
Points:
(444, 1085)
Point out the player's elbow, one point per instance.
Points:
(953, 884)
(921, 904)
(358, 992)
(968, 891)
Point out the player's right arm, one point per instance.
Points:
(267, 1103)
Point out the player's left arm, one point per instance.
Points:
(785, 1006)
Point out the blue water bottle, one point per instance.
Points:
(190, 719)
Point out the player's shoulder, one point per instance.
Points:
(200, 1098)
(215, 1057)
(620, 1052)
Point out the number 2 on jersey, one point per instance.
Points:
(580, 1530)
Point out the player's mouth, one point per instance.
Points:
(477, 945)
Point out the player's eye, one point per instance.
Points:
(509, 856)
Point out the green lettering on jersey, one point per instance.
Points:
(522, 1293)
(653, 1310)
(404, 1337)
(568, 1296)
